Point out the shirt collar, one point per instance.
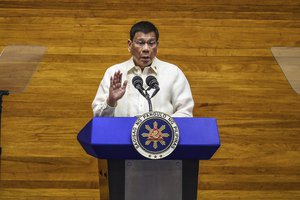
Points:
(130, 65)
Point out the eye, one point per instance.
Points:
(140, 42)
(152, 42)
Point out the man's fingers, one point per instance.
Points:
(111, 82)
(116, 81)
(120, 78)
(117, 85)
(115, 78)
(125, 84)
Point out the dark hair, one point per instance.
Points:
(144, 27)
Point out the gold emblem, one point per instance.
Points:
(155, 135)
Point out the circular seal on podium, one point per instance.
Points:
(155, 135)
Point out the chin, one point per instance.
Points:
(142, 64)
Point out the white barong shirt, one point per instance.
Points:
(174, 98)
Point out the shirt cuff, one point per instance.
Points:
(109, 110)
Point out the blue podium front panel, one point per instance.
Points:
(110, 138)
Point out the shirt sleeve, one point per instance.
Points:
(99, 105)
(182, 98)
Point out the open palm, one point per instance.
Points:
(116, 89)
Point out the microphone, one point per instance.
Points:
(138, 84)
(153, 83)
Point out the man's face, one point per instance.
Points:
(143, 48)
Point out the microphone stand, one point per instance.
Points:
(2, 92)
(147, 96)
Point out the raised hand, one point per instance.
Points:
(116, 89)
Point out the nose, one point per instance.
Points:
(146, 47)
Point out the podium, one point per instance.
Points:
(130, 175)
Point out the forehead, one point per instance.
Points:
(144, 36)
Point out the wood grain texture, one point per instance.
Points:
(223, 47)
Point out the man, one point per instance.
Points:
(120, 99)
(117, 98)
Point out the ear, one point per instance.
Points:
(129, 42)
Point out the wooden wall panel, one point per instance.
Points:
(223, 47)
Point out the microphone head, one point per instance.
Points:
(137, 82)
(152, 82)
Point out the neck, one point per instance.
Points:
(142, 67)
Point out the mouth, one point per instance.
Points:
(145, 58)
